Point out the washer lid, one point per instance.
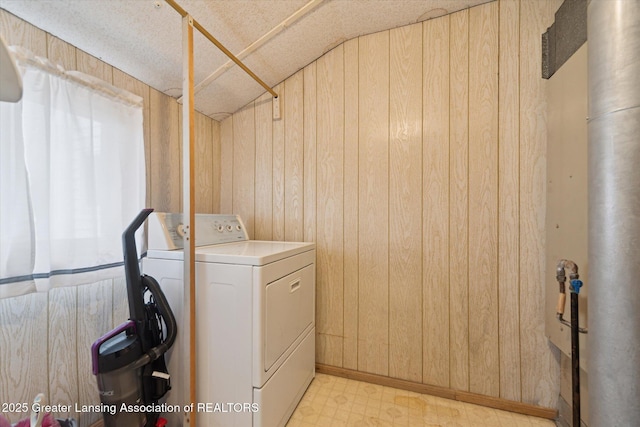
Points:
(250, 252)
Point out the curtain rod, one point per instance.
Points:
(219, 45)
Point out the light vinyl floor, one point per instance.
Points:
(335, 402)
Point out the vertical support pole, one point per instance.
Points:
(188, 206)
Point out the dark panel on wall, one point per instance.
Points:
(565, 36)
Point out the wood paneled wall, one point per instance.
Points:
(45, 338)
(415, 159)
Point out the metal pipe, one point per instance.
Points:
(575, 286)
(561, 278)
(575, 360)
(568, 264)
(614, 212)
(220, 46)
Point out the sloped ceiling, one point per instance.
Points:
(143, 37)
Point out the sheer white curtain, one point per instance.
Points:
(72, 179)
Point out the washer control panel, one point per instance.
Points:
(166, 230)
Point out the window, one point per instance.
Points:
(72, 178)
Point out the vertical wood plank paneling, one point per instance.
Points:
(350, 328)
(373, 221)
(554, 5)
(165, 173)
(350, 122)
(91, 65)
(216, 152)
(405, 203)
(226, 165)
(244, 160)
(125, 81)
(484, 368)
(294, 158)
(93, 322)
(203, 167)
(264, 168)
(459, 201)
(61, 53)
(63, 343)
(23, 349)
(508, 201)
(470, 191)
(329, 212)
(309, 161)
(435, 188)
(278, 168)
(539, 367)
(17, 32)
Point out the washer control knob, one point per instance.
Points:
(229, 228)
(220, 228)
(238, 227)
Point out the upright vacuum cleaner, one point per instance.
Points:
(129, 361)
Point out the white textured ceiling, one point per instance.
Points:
(143, 37)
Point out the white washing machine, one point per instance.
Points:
(255, 320)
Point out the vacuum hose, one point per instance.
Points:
(135, 289)
(169, 320)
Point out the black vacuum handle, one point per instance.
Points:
(132, 268)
